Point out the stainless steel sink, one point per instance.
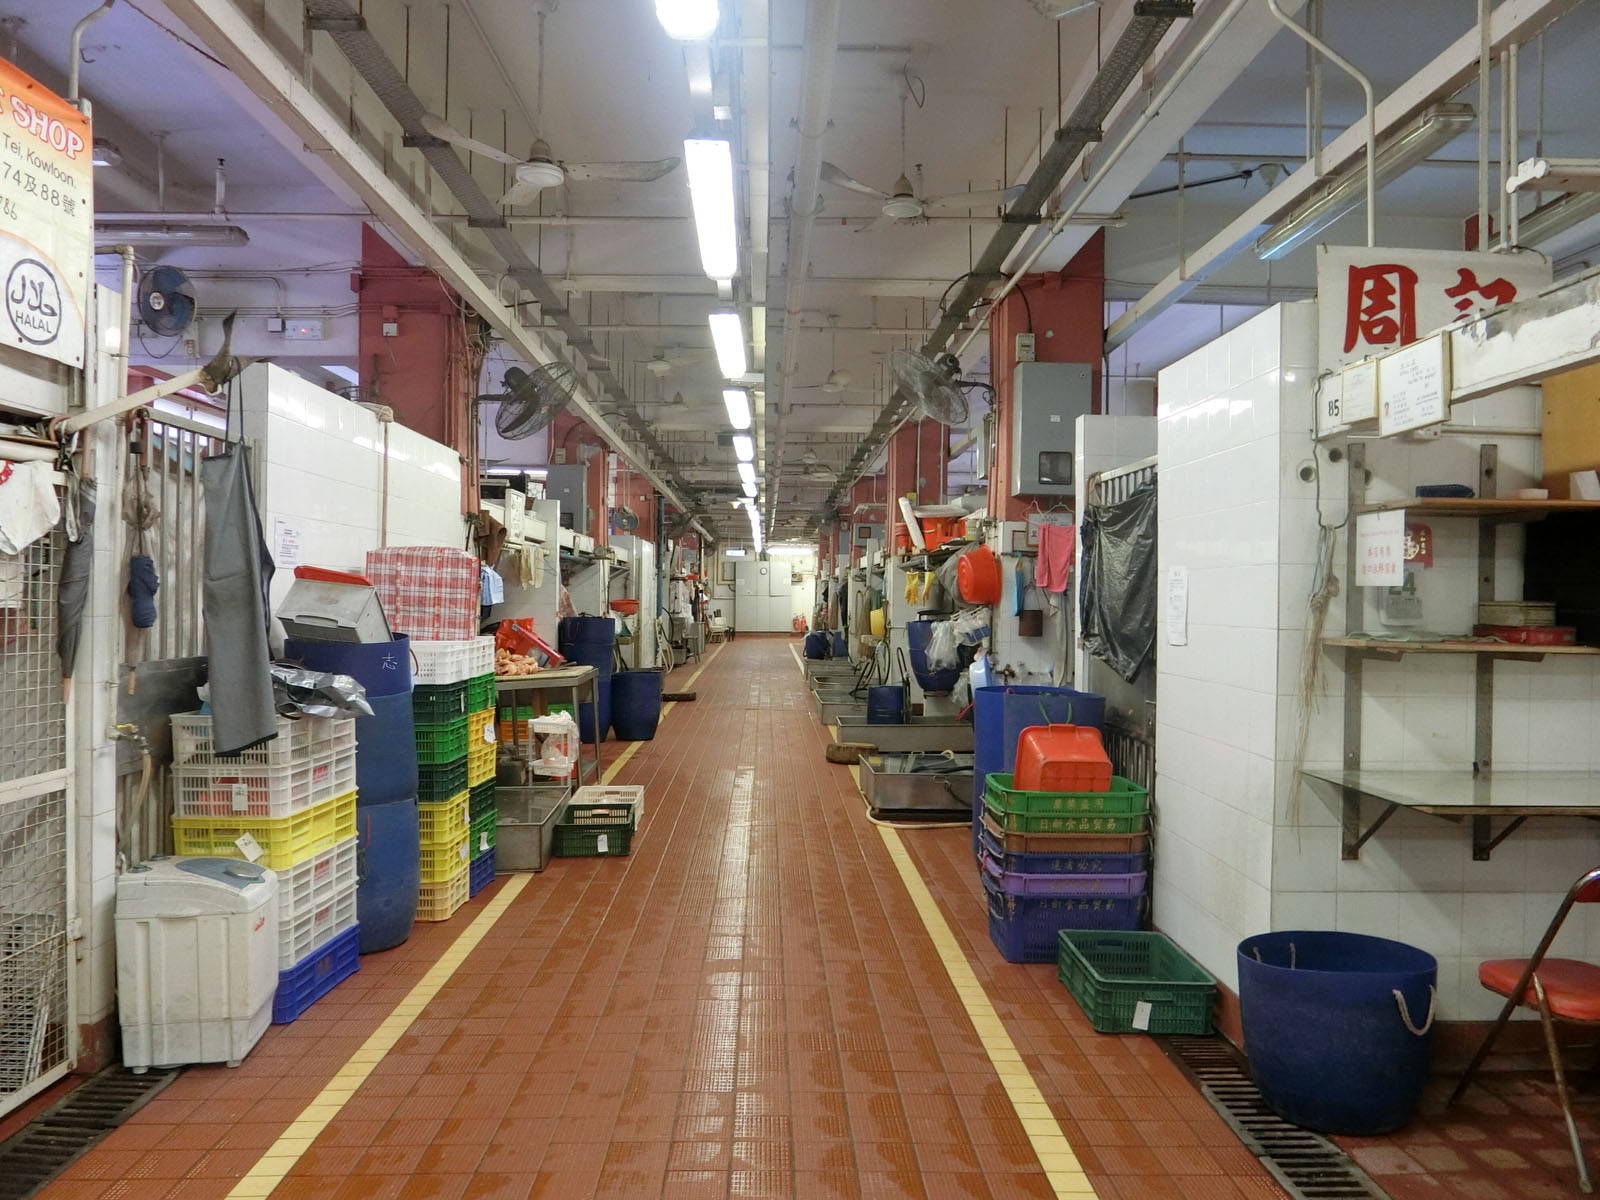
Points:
(920, 733)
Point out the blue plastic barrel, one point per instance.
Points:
(934, 682)
(1002, 713)
(816, 645)
(388, 865)
(886, 704)
(383, 668)
(635, 705)
(1337, 1026)
(386, 751)
(587, 629)
(841, 646)
(596, 655)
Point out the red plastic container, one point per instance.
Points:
(978, 576)
(1062, 758)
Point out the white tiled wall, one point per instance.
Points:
(319, 464)
(1240, 847)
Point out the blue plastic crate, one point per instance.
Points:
(482, 872)
(1025, 928)
(314, 976)
(1064, 864)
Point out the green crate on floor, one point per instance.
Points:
(437, 782)
(589, 841)
(480, 693)
(482, 800)
(483, 833)
(438, 703)
(440, 744)
(1111, 975)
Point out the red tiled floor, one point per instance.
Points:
(747, 1006)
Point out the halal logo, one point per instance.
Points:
(33, 302)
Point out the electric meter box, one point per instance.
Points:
(1046, 401)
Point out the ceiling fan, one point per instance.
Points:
(838, 378)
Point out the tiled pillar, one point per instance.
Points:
(918, 453)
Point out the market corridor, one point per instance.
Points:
(749, 1005)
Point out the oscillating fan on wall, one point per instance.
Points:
(166, 301)
(933, 385)
(531, 399)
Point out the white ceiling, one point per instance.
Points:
(982, 81)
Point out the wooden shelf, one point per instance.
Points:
(1508, 649)
(1480, 508)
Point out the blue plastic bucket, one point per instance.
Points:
(1002, 713)
(841, 646)
(389, 868)
(1337, 1026)
(587, 629)
(386, 751)
(816, 645)
(383, 668)
(597, 655)
(886, 704)
(635, 705)
(935, 682)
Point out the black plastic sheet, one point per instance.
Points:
(1118, 595)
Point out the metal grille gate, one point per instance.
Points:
(35, 1046)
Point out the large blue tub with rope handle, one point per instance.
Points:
(1338, 1027)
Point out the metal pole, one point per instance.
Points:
(1485, 50)
(78, 31)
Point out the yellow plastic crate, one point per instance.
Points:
(439, 901)
(445, 821)
(441, 860)
(284, 841)
(481, 747)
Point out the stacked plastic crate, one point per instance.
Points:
(289, 804)
(482, 747)
(599, 822)
(449, 679)
(1064, 844)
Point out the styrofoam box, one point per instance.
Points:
(452, 662)
(316, 902)
(227, 788)
(296, 740)
(596, 793)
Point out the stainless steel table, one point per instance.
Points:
(572, 680)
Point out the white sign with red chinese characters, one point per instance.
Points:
(1370, 301)
(1381, 549)
(46, 219)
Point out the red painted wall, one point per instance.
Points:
(1068, 326)
(918, 456)
(571, 434)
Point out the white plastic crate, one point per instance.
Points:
(225, 788)
(452, 662)
(316, 902)
(296, 741)
(611, 793)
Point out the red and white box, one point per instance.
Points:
(430, 593)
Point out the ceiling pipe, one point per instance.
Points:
(78, 30)
(816, 91)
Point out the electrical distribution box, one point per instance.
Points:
(570, 485)
(1046, 401)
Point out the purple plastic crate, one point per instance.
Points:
(1016, 883)
(1063, 864)
(482, 873)
(315, 975)
(1024, 928)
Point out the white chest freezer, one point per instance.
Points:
(197, 960)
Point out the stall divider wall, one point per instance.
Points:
(540, 601)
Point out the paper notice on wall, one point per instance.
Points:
(46, 218)
(1381, 549)
(1177, 606)
(286, 545)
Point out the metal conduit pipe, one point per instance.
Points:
(78, 30)
(816, 90)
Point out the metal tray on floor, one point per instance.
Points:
(837, 669)
(920, 733)
(891, 785)
(832, 703)
(525, 829)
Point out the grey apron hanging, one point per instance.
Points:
(238, 571)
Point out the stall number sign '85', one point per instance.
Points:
(46, 219)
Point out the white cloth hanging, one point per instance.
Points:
(29, 508)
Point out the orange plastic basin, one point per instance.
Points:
(1062, 758)
(978, 576)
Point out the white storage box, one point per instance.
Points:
(596, 793)
(197, 960)
(296, 741)
(322, 610)
(223, 788)
(437, 663)
(316, 902)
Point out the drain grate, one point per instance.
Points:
(57, 1137)
(1306, 1165)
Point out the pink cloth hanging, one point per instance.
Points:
(1056, 546)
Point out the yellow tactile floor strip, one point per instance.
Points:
(1055, 1154)
(270, 1169)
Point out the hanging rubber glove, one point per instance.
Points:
(143, 583)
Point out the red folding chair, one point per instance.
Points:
(1562, 989)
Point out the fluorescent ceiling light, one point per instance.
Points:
(1556, 175)
(106, 153)
(751, 490)
(709, 162)
(1434, 128)
(734, 552)
(747, 472)
(168, 233)
(687, 20)
(738, 404)
(1558, 216)
(744, 446)
(727, 335)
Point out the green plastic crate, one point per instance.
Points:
(1123, 798)
(998, 786)
(1111, 974)
(583, 841)
(438, 703)
(483, 836)
(438, 782)
(441, 744)
(480, 693)
(482, 800)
